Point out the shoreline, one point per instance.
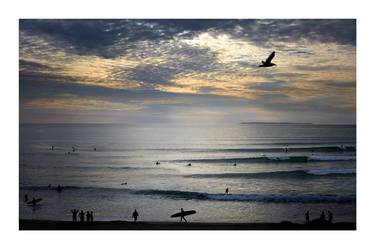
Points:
(27, 224)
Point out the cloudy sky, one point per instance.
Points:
(195, 71)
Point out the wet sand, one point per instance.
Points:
(125, 225)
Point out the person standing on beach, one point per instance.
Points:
(91, 216)
(307, 217)
(82, 217)
(74, 214)
(330, 216)
(323, 216)
(88, 217)
(227, 191)
(135, 215)
(182, 215)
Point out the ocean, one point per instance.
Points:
(274, 172)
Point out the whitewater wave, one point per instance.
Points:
(281, 159)
(191, 195)
(314, 173)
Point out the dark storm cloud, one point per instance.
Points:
(111, 38)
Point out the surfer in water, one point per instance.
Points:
(135, 215)
(182, 215)
(157, 163)
(227, 191)
(59, 188)
(26, 198)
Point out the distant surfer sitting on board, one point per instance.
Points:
(182, 215)
(135, 215)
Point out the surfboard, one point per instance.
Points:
(185, 213)
(33, 202)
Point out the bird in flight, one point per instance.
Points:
(268, 63)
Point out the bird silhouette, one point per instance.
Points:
(268, 63)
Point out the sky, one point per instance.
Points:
(187, 71)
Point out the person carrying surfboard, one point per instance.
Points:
(182, 215)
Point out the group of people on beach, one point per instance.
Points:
(81, 214)
(321, 219)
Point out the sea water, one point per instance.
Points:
(273, 172)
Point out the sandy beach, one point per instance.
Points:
(125, 225)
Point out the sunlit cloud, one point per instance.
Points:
(316, 63)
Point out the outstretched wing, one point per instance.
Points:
(269, 59)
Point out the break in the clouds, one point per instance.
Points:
(130, 71)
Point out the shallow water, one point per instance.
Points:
(267, 184)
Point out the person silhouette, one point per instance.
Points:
(330, 216)
(59, 188)
(74, 215)
(88, 218)
(82, 217)
(323, 216)
(182, 215)
(94, 148)
(135, 215)
(91, 216)
(307, 216)
(26, 198)
(226, 190)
